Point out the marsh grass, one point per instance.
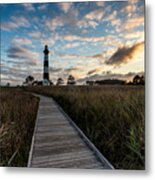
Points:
(17, 116)
(111, 116)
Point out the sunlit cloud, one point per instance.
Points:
(95, 15)
(125, 54)
(65, 6)
(100, 3)
(130, 24)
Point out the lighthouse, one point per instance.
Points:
(46, 67)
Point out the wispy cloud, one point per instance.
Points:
(21, 41)
(95, 15)
(55, 70)
(35, 34)
(72, 69)
(83, 38)
(96, 70)
(14, 23)
(129, 25)
(43, 7)
(28, 7)
(21, 53)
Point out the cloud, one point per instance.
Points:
(21, 53)
(72, 45)
(21, 41)
(125, 54)
(84, 38)
(135, 35)
(95, 15)
(54, 23)
(65, 20)
(43, 7)
(106, 75)
(100, 3)
(35, 35)
(129, 9)
(55, 70)
(133, 23)
(50, 41)
(66, 6)
(87, 23)
(103, 56)
(69, 56)
(110, 16)
(96, 70)
(115, 22)
(28, 7)
(71, 69)
(133, 1)
(14, 74)
(16, 22)
(130, 24)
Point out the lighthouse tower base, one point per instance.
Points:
(46, 82)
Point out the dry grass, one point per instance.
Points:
(17, 115)
(111, 116)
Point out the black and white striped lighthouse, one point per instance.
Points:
(46, 67)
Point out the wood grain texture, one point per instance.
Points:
(57, 144)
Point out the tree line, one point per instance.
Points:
(31, 81)
(137, 80)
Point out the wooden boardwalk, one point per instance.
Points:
(58, 143)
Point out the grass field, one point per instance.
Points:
(17, 117)
(111, 116)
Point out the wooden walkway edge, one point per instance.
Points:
(57, 142)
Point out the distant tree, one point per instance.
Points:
(40, 83)
(130, 83)
(51, 83)
(8, 84)
(138, 80)
(142, 80)
(91, 83)
(29, 80)
(60, 81)
(35, 83)
(110, 82)
(71, 80)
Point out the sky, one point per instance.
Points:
(89, 40)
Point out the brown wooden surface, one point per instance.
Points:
(57, 144)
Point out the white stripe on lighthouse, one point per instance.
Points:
(46, 58)
(45, 69)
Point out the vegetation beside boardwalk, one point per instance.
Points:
(111, 116)
(17, 118)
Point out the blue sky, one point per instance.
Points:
(90, 40)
